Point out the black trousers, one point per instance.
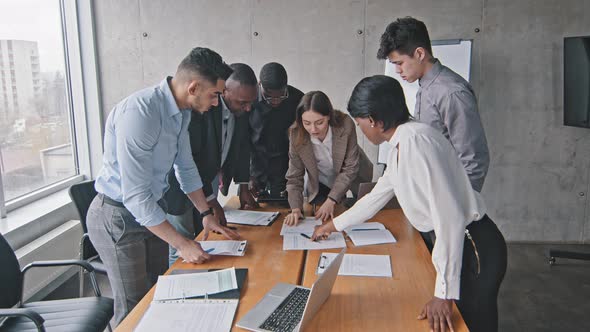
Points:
(479, 290)
(277, 169)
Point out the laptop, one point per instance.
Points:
(268, 196)
(288, 308)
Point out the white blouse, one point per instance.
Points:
(322, 150)
(434, 192)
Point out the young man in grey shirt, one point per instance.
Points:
(444, 100)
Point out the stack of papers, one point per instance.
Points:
(365, 226)
(358, 265)
(295, 241)
(224, 248)
(254, 218)
(367, 237)
(173, 309)
(188, 316)
(305, 226)
(369, 233)
(182, 286)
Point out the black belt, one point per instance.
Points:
(106, 199)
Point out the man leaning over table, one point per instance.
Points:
(146, 135)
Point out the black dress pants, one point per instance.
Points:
(479, 289)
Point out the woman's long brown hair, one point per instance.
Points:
(319, 103)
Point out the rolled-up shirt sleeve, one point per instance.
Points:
(137, 132)
(441, 181)
(185, 168)
(466, 133)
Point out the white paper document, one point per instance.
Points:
(180, 286)
(368, 237)
(358, 265)
(189, 315)
(365, 226)
(255, 218)
(299, 242)
(224, 248)
(305, 226)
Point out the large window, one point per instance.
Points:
(38, 112)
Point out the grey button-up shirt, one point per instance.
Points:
(446, 102)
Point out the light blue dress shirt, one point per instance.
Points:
(145, 135)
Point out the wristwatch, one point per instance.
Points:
(206, 212)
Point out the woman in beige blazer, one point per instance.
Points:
(323, 144)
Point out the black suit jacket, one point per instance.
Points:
(270, 133)
(205, 132)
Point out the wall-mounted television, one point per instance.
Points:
(576, 81)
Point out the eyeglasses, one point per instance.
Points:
(270, 99)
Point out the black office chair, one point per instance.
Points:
(82, 195)
(82, 314)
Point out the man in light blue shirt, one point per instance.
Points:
(146, 135)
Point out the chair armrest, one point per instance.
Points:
(87, 266)
(21, 312)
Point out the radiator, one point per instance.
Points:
(63, 242)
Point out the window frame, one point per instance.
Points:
(83, 97)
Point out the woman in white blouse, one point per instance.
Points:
(434, 192)
(323, 145)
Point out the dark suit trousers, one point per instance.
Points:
(277, 169)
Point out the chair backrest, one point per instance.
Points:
(82, 195)
(365, 188)
(11, 278)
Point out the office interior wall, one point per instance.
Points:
(538, 183)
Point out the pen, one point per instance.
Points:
(364, 229)
(209, 250)
(305, 235)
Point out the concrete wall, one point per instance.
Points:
(540, 174)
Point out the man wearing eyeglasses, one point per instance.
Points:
(220, 147)
(270, 119)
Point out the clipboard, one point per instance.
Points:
(241, 275)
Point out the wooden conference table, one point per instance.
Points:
(356, 303)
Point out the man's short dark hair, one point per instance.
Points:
(404, 35)
(205, 63)
(243, 74)
(381, 98)
(273, 76)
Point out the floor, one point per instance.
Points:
(535, 296)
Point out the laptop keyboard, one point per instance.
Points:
(288, 314)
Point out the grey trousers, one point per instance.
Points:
(133, 256)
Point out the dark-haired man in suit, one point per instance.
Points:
(220, 144)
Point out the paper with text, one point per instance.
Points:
(365, 226)
(189, 315)
(305, 226)
(368, 237)
(180, 286)
(358, 265)
(225, 247)
(255, 218)
(298, 242)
